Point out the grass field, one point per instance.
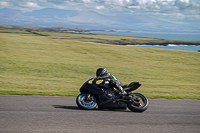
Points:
(58, 64)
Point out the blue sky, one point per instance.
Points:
(176, 11)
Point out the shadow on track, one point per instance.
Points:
(66, 107)
(97, 109)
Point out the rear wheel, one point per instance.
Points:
(86, 101)
(139, 102)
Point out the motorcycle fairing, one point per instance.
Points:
(111, 105)
(92, 88)
(103, 101)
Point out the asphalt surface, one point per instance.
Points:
(38, 114)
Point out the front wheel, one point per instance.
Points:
(86, 101)
(138, 102)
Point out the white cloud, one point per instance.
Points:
(87, 1)
(32, 5)
(134, 7)
(187, 1)
(180, 16)
(4, 3)
(100, 7)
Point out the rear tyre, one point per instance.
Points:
(139, 103)
(86, 101)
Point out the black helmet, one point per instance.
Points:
(101, 72)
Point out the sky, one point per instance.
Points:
(176, 11)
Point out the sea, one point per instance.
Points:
(171, 36)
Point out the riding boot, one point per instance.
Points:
(122, 92)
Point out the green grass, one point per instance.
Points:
(40, 65)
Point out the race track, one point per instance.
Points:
(40, 114)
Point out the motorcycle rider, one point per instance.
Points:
(102, 74)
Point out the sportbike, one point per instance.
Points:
(107, 97)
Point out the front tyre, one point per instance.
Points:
(138, 102)
(86, 101)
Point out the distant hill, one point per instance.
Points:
(51, 17)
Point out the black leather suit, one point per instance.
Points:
(113, 81)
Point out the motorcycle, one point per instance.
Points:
(105, 96)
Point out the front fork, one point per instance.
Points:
(88, 97)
